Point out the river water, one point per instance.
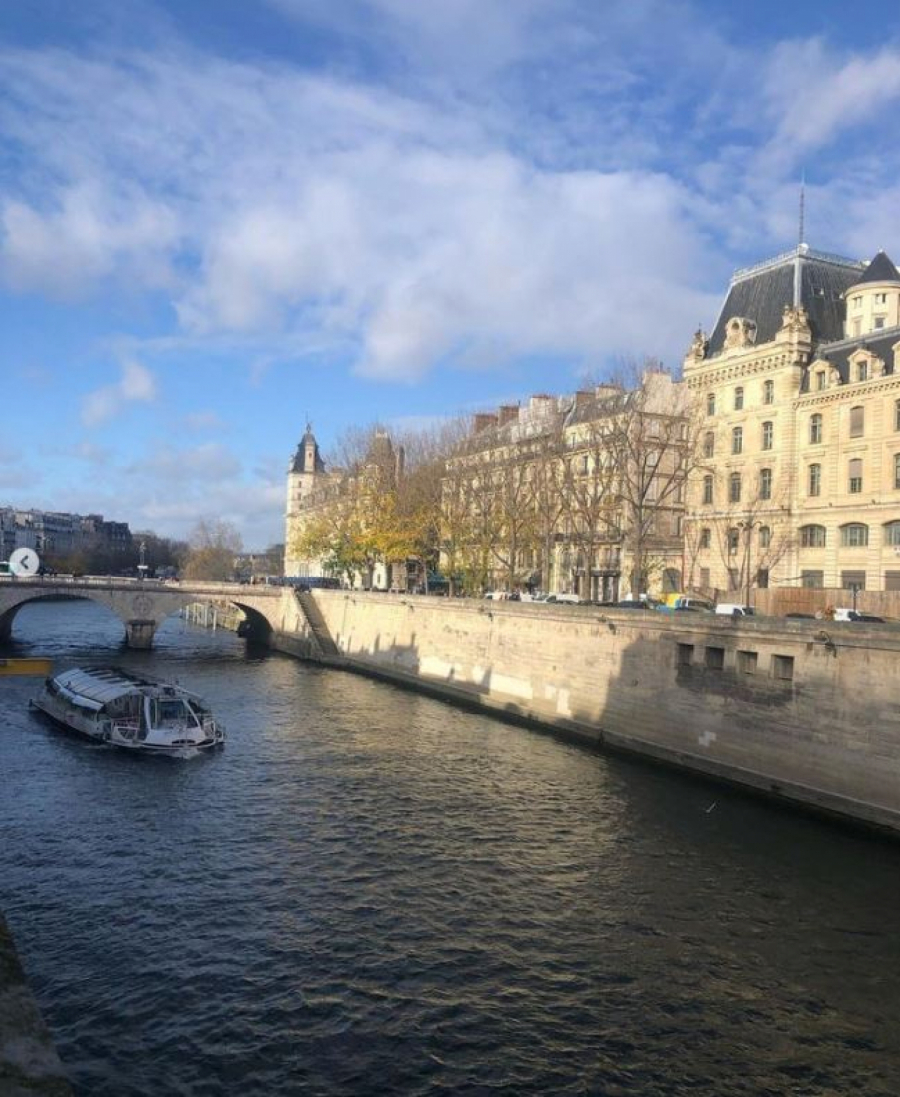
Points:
(369, 892)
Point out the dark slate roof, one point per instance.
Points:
(839, 354)
(298, 464)
(881, 269)
(761, 293)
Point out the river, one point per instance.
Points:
(369, 892)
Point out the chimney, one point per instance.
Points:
(508, 413)
(483, 421)
(604, 391)
(540, 405)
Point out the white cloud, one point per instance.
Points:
(136, 384)
(568, 202)
(209, 462)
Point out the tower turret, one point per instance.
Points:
(873, 303)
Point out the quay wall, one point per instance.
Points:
(808, 711)
(29, 1064)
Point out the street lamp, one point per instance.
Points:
(142, 566)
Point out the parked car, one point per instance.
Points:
(568, 599)
(734, 609)
(844, 614)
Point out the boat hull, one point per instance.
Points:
(93, 726)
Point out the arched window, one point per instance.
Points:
(815, 429)
(768, 435)
(765, 483)
(737, 440)
(711, 403)
(857, 421)
(812, 537)
(856, 476)
(815, 479)
(705, 538)
(765, 537)
(707, 489)
(892, 533)
(709, 444)
(738, 398)
(768, 392)
(734, 487)
(855, 535)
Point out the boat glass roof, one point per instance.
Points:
(102, 684)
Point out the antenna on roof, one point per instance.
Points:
(802, 228)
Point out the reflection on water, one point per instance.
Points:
(369, 892)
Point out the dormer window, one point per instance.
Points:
(821, 380)
(862, 370)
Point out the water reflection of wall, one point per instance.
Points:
(788, 707)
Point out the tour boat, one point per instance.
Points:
(125, 710)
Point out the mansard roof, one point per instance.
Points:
(839, 353)
(762, 292)
(881, 269)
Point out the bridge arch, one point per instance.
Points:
(142, 608)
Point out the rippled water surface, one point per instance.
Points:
(367, 892)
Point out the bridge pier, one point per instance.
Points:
(139, 634)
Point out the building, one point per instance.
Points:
(343, 513)
(306, 479)
(797, 393)
(578, 494)
(57, 535)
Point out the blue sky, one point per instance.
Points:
(218, 218)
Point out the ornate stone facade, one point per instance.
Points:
(799, 389)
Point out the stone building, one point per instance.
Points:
(54, 534)
(306, 480)
(798, 389)
(579, 494)
(346, 501)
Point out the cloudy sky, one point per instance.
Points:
(221, 217)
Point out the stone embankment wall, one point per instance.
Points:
(28, 1061)
(804, 710)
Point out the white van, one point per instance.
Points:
(733, 609)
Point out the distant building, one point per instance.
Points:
(56, 534)
(798, 387)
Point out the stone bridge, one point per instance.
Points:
(143, 604)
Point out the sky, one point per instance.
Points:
(221, 219)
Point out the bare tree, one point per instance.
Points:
(212, 546)
(653, 439)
